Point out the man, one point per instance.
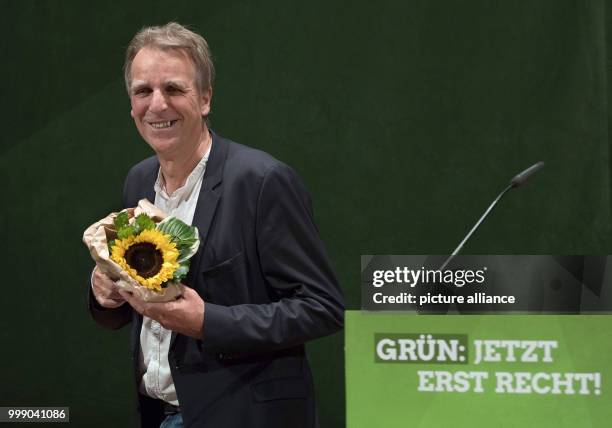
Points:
(230, 352)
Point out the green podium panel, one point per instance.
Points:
(405, 370)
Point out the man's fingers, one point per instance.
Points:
(126, 296)
(115, 296)
(100, 275)
(104, 288)
(138, 305)
(110, 303)
(189, 293)
(108, 290)
(101, 280)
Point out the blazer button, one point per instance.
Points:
(220, 356)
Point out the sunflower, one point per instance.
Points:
(150, 257)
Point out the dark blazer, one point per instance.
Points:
(268, 287)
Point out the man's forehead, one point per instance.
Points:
(150, 61)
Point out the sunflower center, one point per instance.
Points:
(145, 259)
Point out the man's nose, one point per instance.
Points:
(158, 102)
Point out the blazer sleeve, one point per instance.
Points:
(294, 264)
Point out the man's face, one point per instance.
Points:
(166, 104)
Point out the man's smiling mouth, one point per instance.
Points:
(162, 125)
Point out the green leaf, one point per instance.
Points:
(184, 236)
(122, 225)
(126, 231)
(181, 271)
(143, 222)
(121, 220)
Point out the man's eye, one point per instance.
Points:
(173, 90)
(142, 91)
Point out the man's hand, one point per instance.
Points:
(184, 315)
(105, 291)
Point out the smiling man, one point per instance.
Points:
(230, 352)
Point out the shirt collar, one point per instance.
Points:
(196, 175)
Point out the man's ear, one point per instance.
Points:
(132, 113)
(205, 100)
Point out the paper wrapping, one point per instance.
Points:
(96, 239)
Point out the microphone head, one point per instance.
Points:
(522, 177)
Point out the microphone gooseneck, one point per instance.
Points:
(518, 180)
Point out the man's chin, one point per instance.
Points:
(163, 146)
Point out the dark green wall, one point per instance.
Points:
(404, 119)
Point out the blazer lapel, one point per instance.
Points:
(149, 184)
(209, 193)
(150, 195)
(209, 196)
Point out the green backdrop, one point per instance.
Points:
(403, 118)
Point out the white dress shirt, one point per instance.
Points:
(156, 378)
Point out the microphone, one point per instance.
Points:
(522, 177)
(517, 181)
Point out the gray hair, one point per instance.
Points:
(168, 37)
